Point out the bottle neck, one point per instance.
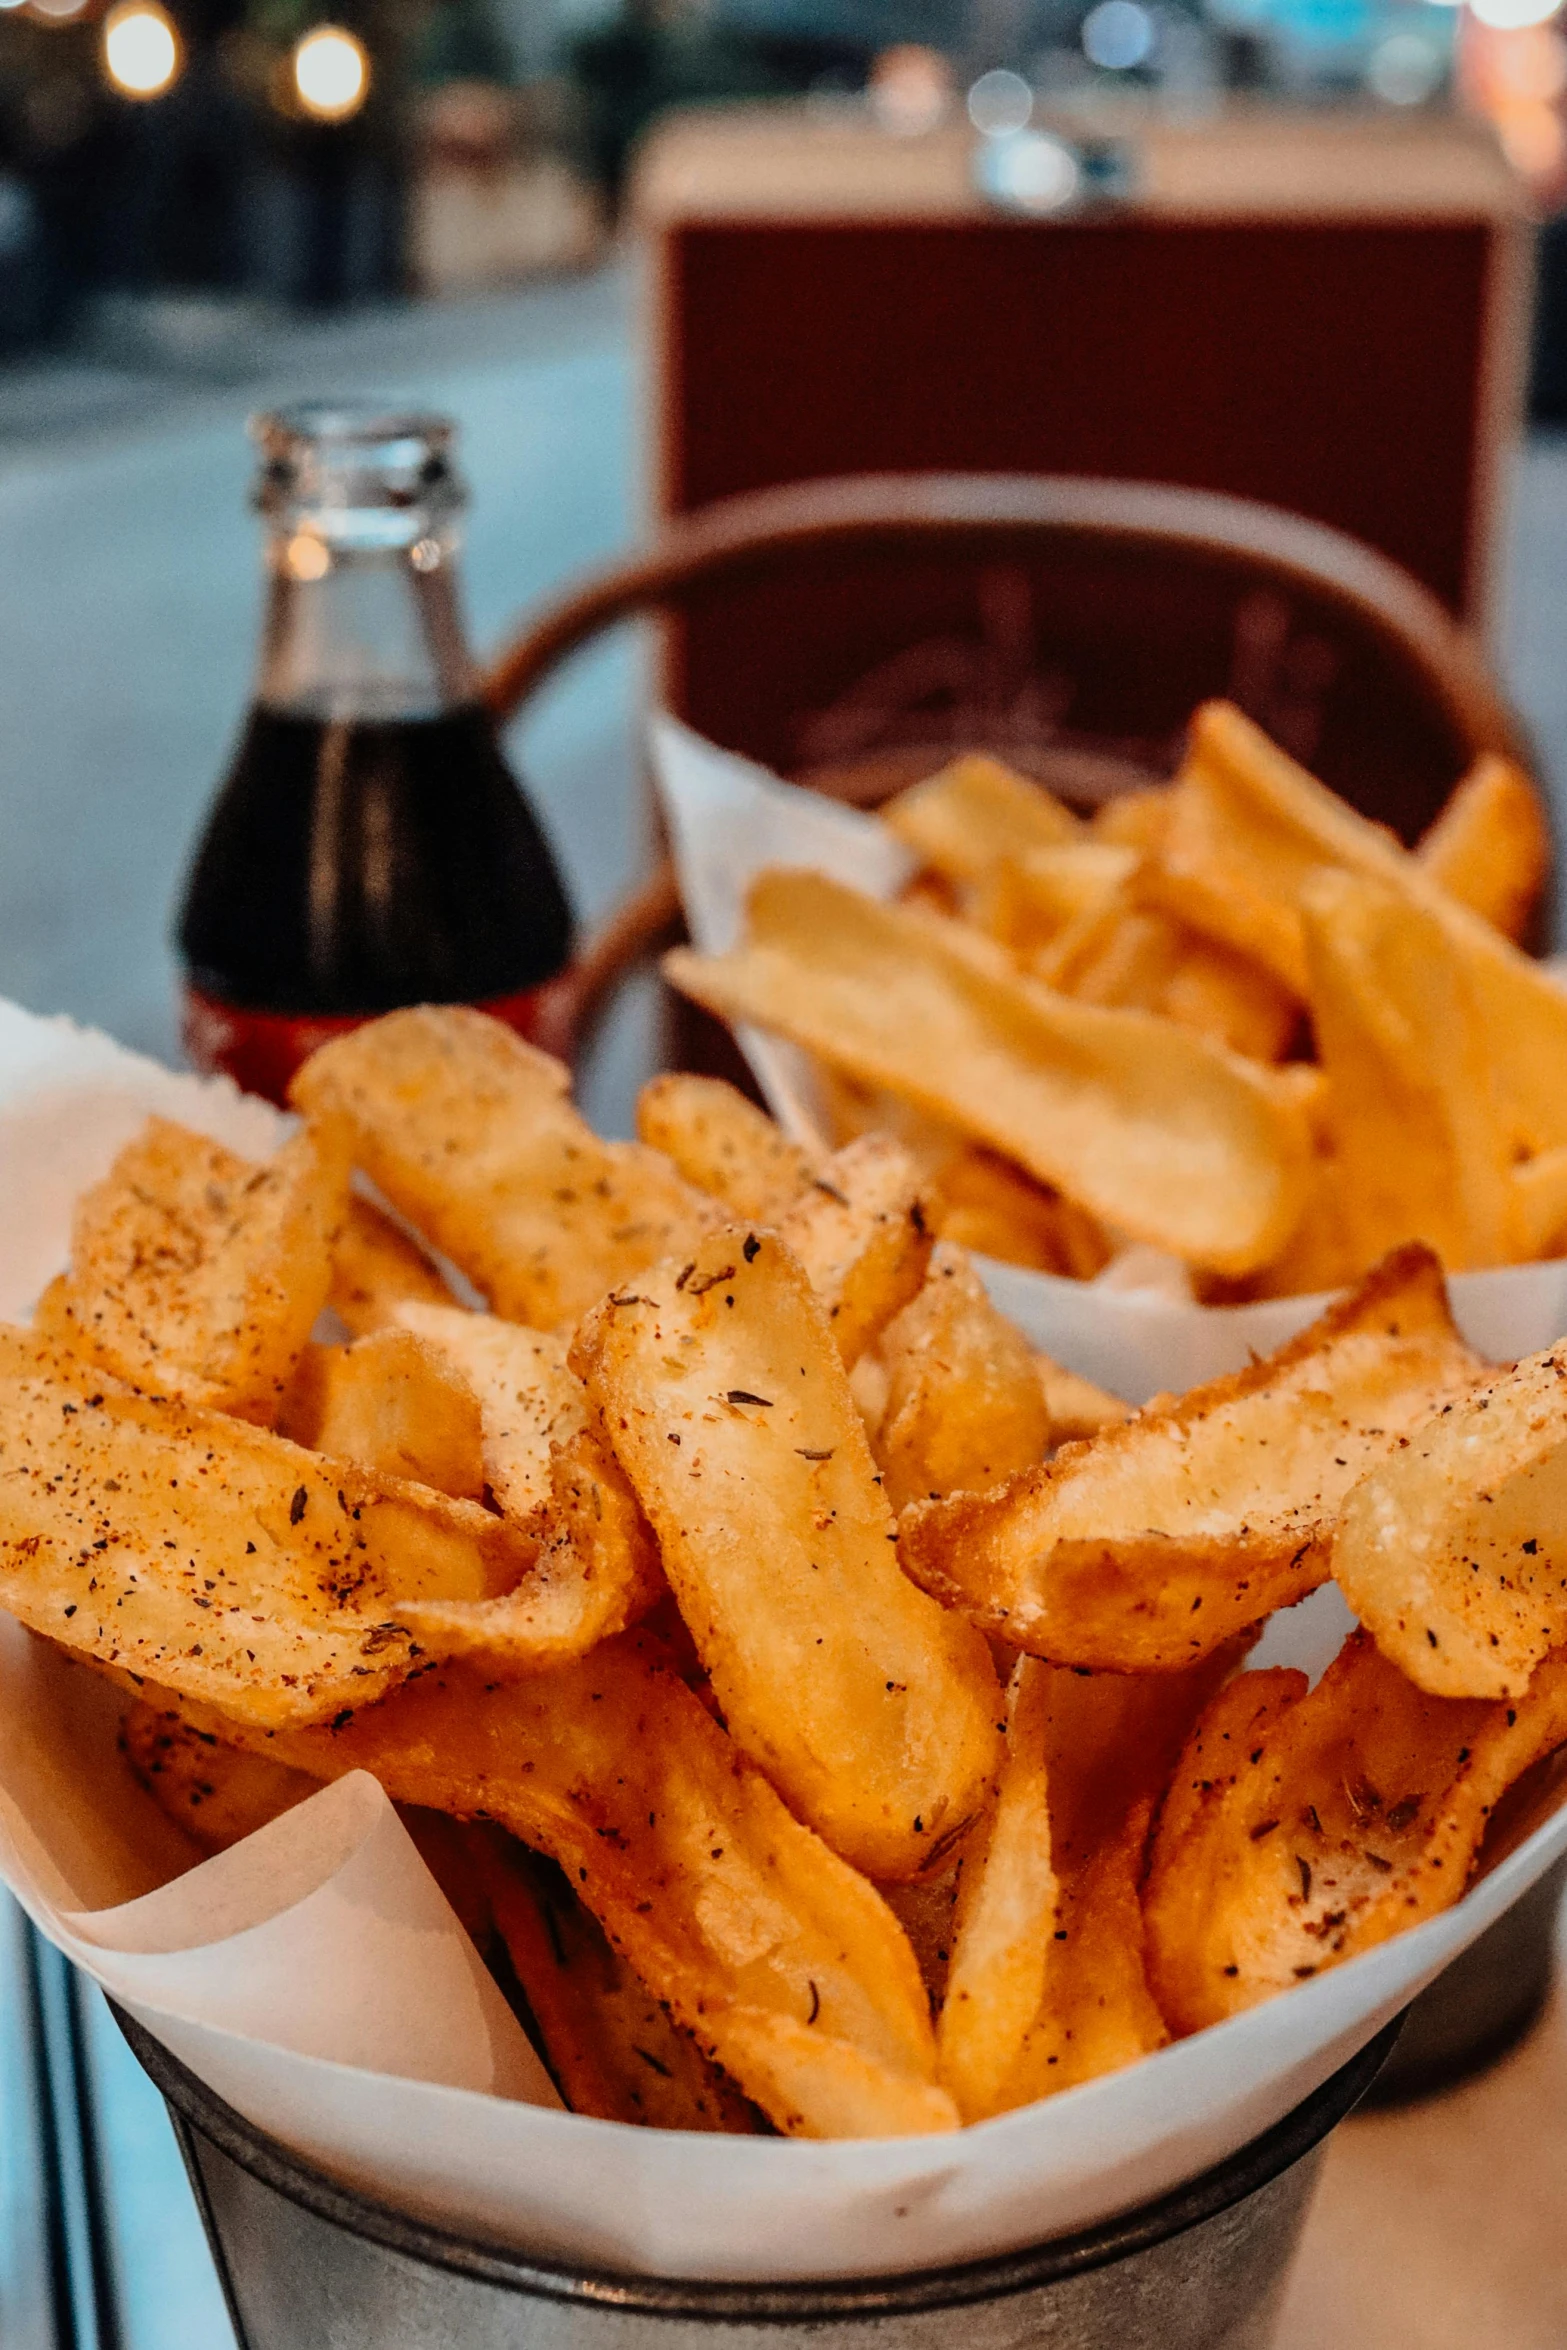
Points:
(371, 633)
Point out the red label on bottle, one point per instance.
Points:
(261, 1050)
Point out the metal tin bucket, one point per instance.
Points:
(311, 2265)
(1480, 2005)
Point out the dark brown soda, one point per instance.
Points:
(351, 866)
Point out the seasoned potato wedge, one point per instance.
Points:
(1307, 1825)
(529, 1402)
(976, 810)
(1048, 1985)
(1421, 1147)
(393, 1402)
(1151, 1547)
(863, 1230)
(786, 1968)
(724, 1145)
(376, 1268)
(723, 1394)
(214, 1792)
(1174, 1140)
(198, 1274)
(1453, 1552)
(611, 2047)
(220, 1560)
(1491, 846)
(470, 1133)
(965, 1407)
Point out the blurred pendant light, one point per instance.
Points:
(141, 49)
(331, 73)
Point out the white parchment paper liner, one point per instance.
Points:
(315, 1978)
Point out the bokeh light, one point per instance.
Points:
(1000, 103)
(1117, 35)
(331, 73)
(1510, 16)
(141, 50)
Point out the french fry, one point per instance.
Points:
(1230, 998)
(1421, 1149)
(471, 1135)
(1249, 828)
(1048, 1985)
(393, 1402)
(1539, 1204)
(595, 1571)
(1137, 819)
(863, 1230)
(1150, 1127)
(376, 1268)
(724, 1397)
(1491, 846)
(784, 1965)
(973, 812)
(612, 2049)
(1308, 1825)
(1151, 1547)
(1075, 1407)
(214, 1792)
(965, 1407)
(724, 1145)
(218, 1559)
(198, 1274)
(529, 1402)
(1028, 900)
(987, 1204)
(1453, 1552)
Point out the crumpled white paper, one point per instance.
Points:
(316, 1979)
(728, 820)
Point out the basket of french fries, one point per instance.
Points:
(604, 1706)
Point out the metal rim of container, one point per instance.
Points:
(1216, 2190)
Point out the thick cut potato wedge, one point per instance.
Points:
(595, 1570)
(217, 1794)
(1491, 847)
(1077, 1407)
(198, 1274)
(1048, 1985)
(975, 811)
(1304, 1826)
(872, 1710)
(965, 1406)
(987, 1204)
(220, 1560)
(863, 1230)
(393, 1402)
(783, 1964)
(1453, 1553)
(611, 2047)
(1420, 1146)
(376, 1268)
(1149, 1126)
(529, 1401)
(1149, 1548)
(1027, 901)
(470, 1133)
(1249, 828)
(724, 1145)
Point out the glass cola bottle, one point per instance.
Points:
(369, 846)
